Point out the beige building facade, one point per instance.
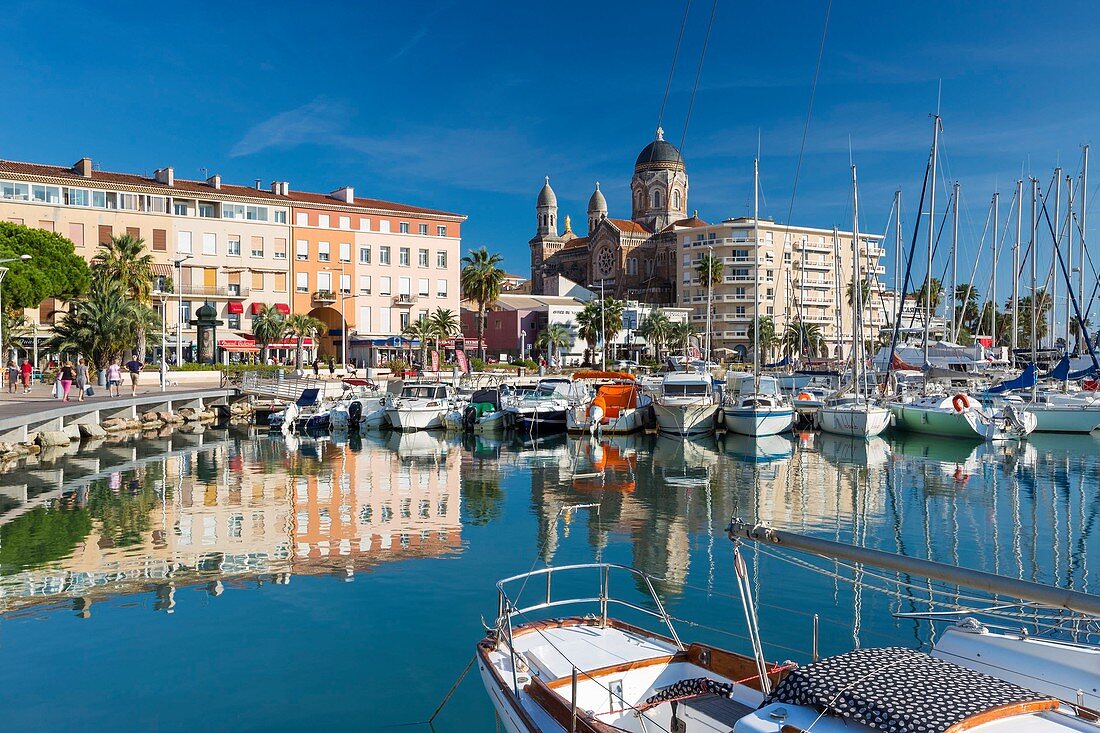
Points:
(803, 274)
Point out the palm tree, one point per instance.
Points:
(552, 338)
(268, 326)
(864, 292)
(803, 338)
(655, 329)
(709, 268)
(422, 330)
(680, 335)
(1042, 308)
(600, 321)
(768, 337)
(935, 290)
(481, 282)
(124, 259)
(103, 324)
(444, 324)
(966, 309)
(15, 327)
(302, 326)
(1075, 332)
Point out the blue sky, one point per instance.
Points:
(466, 106)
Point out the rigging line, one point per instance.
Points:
(698, 75)
(809, 116)
(675, 56)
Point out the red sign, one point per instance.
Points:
(460, 357)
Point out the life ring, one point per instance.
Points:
(960, 402)
(805, 396)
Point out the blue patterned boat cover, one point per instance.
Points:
(898, 690)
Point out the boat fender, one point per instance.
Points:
(597, 409)
(1090, 385)
(355, 411)
(805, 396)
(720, 416)
(960, 402)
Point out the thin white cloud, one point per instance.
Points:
(316, 121)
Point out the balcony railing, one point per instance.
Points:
(324, 296)
(211, 291)
(404, 300)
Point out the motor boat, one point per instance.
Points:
(485, 412)
(619, 407)
(755, 406)
(308, 412)
(359, 407)
(543, 410)
(686, 404)
(420, 406)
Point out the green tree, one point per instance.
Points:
(768, 337)
(1043, 305)
(709, 269)
(655, 330)
(102, 325)
(444, 324)
(600, 321)
(864, 292)
(552, 338)
(302, 326)
(422, 330)
(481, 282)
(935, 290)
(268, 326)
(125, 260)
(804, 338)
(1075, 332)
(54, 271)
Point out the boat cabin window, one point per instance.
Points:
(423, 392)
(685, 390)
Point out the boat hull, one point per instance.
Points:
(1065, 418)
(543, 422)
(857, 422)
(415, 418)
(579, 421)
(757, 421)
(685, 418)
(931, 421)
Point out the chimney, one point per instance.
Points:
(166, 175)
(345, 194)
(280, 188)
(259, 185)
(215, 181)
(83, 167)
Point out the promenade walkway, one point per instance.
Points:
(41, 398)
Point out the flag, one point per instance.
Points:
(435, 360)
(460, 357)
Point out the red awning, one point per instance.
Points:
(283, 308)
(235, 307)
(257, 307)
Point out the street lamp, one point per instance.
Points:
(522, 344)
(4, 271)
(179, 313)
(343, 321)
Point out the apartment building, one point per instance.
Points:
(803, 272)
(230, 246)
(372, 267)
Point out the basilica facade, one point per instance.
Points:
(631, 258)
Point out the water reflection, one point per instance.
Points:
(221, 509)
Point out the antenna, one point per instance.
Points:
(205, 172)
(939, 95)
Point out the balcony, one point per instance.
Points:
(404, 301)
(324, 297)
(813, 246)
(212, 292)
(813, 300)
(818, 284)
(872, 250)
(819, 266)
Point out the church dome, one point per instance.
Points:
(546, 195)
(597, 204)
(659, 154)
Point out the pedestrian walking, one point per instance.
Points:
(134, 367)
(114, 378)
(66, 375)
(26, 370)
(81, 377)
(331, 367)
(13, 376)
(317, 367)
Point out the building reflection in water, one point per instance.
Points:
(233, 513)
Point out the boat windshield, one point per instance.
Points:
(422, 392)
(685, 390)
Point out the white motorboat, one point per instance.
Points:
(308, 412)
(755, 406)
(420, 406)
(686, 404)
(544, 409)
(618, 407)
(358, 407)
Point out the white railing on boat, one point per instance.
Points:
(508, 608)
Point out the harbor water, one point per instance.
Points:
(232, 580)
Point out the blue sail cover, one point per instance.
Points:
(1028, 378)
(1060, 372)
(1083, 373)
(785, 361)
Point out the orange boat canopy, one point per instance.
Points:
(614, 398)
(603, 375)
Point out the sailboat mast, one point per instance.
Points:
(836, 295)
(710, 307)
(954, 313)
(756, 273)
(1053, 330)
(897, 242)
(1069, 260)
(857, 293)
(993, 287)
(931, 234)
(1081, 233)
(1034, 272)
(1016, 267)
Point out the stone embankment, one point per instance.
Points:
(184, 418)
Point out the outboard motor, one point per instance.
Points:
(469, 417)
(355, 412)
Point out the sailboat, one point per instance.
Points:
(757, 409)
(854, 412)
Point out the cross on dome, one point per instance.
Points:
(660, 133)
